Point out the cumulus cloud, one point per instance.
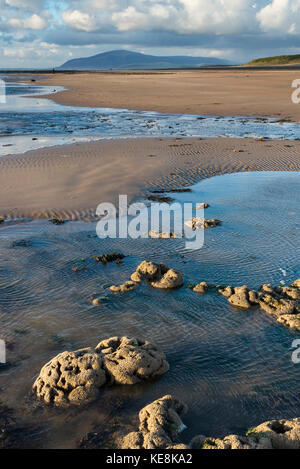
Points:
(280, 16)
(79, 20)
(34, 22)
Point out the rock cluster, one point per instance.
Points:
(76, 377)
(241, 297)
(160, 425)
(156, 275)
(281, 302)
(202, 223)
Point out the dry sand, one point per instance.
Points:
(218, 92)
(70, 181)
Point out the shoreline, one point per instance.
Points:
(70, 181)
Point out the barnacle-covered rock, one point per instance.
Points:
(71, 377)
(201, 288)
(129, 361)
(172, 279)
(76, 377)
(284, 434)
(160, 425)
(241, 297)
(124, 287)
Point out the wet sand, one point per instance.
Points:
(210, 92)
(70, 181)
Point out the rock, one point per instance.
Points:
(151, 271)
(290, 320)
(125, 287)
(1, 220)
(160, 425)
(97, 301)
(201, 288)
(202, 206)
(136, 277)
(105, 258)
(130, 361)
(76, 377)
(165, 235)
(57, 221)
(281, 301)
(71, 377)
(202, 223)
(284, 434)
(158, 275)
(172, 279)
(241, 297)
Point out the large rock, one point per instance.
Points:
(71, 377)
(284, 434)
(76, 377)
(160, 425)
(130, 361)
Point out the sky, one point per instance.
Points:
(46, 33)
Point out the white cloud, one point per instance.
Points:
(281, 16)
(34, 22)
(79, 20)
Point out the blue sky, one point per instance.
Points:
(46, 33)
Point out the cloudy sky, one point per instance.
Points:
(46, 33)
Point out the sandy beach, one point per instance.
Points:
(218, 92)
(70, 181)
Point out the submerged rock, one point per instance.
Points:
(164, 235)
(160, 425)
(57, 221)
(125, 287)
(198, 223)
(76, 377)
(105, 258)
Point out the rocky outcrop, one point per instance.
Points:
(160, 425)
(283, 434)
(76, 377)
(241, 297)
(198, 223)
(156, 275)
(281, 302)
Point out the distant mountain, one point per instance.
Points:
(127, 60)
(277, 60)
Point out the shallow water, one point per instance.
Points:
(233, 368)
(32, 123)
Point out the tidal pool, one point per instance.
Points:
(233, 368)
(29, 123)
